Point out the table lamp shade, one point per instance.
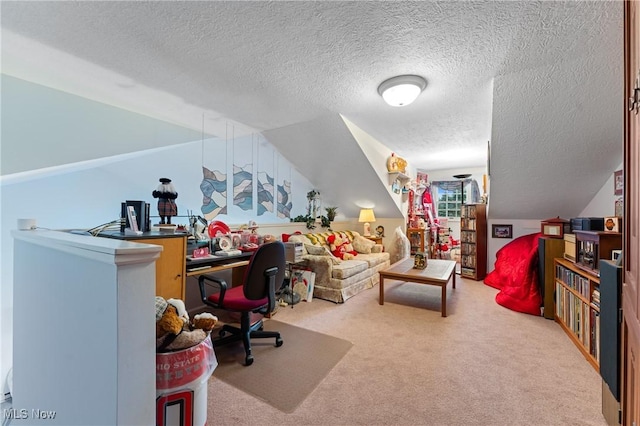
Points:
(366, 216)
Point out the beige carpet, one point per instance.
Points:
(283, 377)
(482, 365)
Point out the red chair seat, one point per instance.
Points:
(234, 299)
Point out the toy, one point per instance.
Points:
(396, 164)
(204, 321)
(340, 246)
(173, 332)
(348, 246)
(180, 308)
(169, 322)
(166, 195)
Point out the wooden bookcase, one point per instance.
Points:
(548, 250)
(473, 241)
(578, 308)
(416, 239)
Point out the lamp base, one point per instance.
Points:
(367, 229)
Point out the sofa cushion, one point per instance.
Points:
(374, 259)
(348, 268)
(362, 244)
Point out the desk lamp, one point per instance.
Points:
(366, 216)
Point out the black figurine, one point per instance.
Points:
(166, 195)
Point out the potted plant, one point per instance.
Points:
(331, 213)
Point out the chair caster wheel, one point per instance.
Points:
(279, 342)
(248, 360)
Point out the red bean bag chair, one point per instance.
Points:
(516, 275)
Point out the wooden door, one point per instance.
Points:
(631, 246)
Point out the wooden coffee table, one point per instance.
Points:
(437, 272)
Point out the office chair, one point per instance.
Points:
(264, 273)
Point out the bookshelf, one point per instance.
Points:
(473, 241)
(548, 250)
(578, 308)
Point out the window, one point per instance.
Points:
(448, 198)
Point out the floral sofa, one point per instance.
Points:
(337, 280)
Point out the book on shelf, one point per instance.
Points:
(133, 221)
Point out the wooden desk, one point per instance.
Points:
(437, 272)
(210, 264)
(170, 266)
(174, 265)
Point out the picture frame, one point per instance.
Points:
(502, 231)
(619, 207)
(302, 283)
(618, 182)
(612, 224)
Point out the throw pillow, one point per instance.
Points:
(363, 245)
(317, 250)
(322, 251)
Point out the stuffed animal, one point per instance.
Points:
(173, 333)
(348, 245)
(169, 323)
(204, 321)
(339, 247)
(180, 308)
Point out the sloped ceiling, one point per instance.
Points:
(541, 80)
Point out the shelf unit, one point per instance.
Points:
(548, 250)
(416, 239)
(397, 176)
(473, 241)
(578, 308)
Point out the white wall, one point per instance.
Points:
(601, 205)
(87, 194)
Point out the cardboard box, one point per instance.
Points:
(293, 252)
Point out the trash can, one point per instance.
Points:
(181, 384)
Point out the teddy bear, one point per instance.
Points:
(174, 330)
(340, 246)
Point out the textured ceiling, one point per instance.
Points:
(547, 74)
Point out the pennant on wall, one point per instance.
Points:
(265, 180)
(214, 181)
(265, 193)
(284, 190)
(243, 186)
(284, 199)
(214, 191)
(243, 176)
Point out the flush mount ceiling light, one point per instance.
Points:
(401, 90)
